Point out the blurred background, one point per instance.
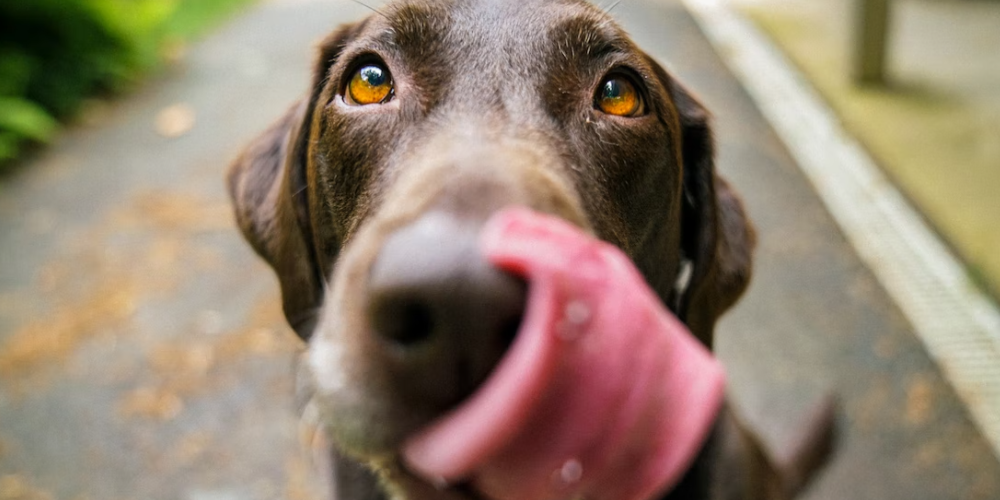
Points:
(143, 354)
(921, 90)
(59, 58)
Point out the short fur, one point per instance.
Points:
(493, 106)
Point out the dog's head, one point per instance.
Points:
(422, 121)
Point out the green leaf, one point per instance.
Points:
(16, 67)
(26, 119)
(135, 19)
(8, 146)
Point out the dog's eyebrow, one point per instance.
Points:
(584, 36)
(414, 27)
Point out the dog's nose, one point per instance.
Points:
(443, 316)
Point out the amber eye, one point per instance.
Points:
(618, 96)
(371, 84)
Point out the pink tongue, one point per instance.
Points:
(604, 394)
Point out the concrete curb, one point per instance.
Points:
(958, 325)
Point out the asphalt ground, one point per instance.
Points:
(143, 354)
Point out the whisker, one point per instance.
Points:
(369, 7)
(612, 7)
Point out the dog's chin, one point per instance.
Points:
(358, 411)
(403, 485)
(366, 430)
(378, 448)
(372, 431)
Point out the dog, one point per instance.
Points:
(421, 122)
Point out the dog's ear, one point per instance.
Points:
(717, 238)
(267, 183)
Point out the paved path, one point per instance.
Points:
(142, 353)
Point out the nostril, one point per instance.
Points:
(509, 329)
(404, 321)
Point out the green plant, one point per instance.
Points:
(22, 120)
(54, 53)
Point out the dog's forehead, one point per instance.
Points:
(478, 28)
(490, 11)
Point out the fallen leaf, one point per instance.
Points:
(151, 403)
(14, 487)
(176, 120)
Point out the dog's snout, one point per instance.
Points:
(442, 314)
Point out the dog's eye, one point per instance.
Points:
(371, 84)
(618, 96)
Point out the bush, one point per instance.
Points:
(55, 53)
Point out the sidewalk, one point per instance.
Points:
(143, 354)
(936, 128)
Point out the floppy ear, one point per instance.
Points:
(716, 237)
(267, 183)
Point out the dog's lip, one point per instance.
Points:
(600, 382)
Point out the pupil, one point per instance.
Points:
(373, 75)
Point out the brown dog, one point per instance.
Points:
(422, 121)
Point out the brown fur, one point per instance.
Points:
(493, 107)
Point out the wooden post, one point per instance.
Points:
(872, 34)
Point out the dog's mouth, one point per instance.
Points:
(602, 394)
